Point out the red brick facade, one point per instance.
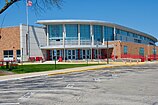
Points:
(133, 49)
(9, 40)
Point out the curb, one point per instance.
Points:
(90, 69)
(63, 71)
(82, 70)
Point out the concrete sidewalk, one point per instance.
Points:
(64, 71)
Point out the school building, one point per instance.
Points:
(75, 40)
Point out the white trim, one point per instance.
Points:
(47, 35)
(79, 37)
(92, 34)
(114, 43)
(103, 37)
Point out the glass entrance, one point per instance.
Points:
(71, 54)
(85, 54)
(75, 54)
(52, 54)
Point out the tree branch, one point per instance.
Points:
(7, 5)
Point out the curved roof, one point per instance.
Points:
(47, 22)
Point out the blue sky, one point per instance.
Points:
(141, 15)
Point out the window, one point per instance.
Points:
(98, 33)
(18, 53)
(137, 41)
(141, 37)
(154, 51)
(55, 31)
(125, 50)
(109, 32)
(130, 34)
(117, 31)
(121, 38)
(123, 33)
(135, 35)
(88, 54)
(145, 38)
(85, 32)
(126, 39)
(141, 51)
(71, 31)
(8, 53)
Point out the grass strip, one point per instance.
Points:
(45, 67)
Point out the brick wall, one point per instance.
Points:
(117, 48)
(133, 48)
(9, 40)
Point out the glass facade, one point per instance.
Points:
(121, 38)
(137, 37)
(130, 34)
(71, 31)
(55, 31)
(122, 32)
(85, 32)
(70, 54)
(108, 33)
(98, 33)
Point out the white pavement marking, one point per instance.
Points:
(26, 96)
(70, 86)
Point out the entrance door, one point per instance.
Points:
(69, 54)
(58, 54)
(73, 54)
(49, 54)
(84, 54)
(88, 54)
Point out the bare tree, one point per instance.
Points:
(38, 5)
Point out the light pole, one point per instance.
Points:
(154, 53)
(91, 50)
(107, 50)
(98, 50)
(64, 48)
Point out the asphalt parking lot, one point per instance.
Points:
(133, 85)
